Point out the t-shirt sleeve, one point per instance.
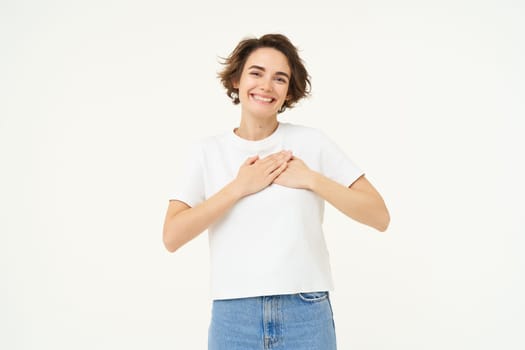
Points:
(188, 186)
(336, 165)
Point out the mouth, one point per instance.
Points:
(262, 99)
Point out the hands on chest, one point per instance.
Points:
(281, 168)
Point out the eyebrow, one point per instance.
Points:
(277, 73)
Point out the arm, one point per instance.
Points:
(360, 201)
(183, 223)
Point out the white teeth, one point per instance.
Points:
(263, 99)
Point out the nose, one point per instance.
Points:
(266, 85)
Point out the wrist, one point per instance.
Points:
(313, 180)
(234, 190)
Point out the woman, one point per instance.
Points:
(260, 191)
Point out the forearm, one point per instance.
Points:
(366, 207)
(183, 224)
(182, 227)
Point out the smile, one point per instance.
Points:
(262, 98)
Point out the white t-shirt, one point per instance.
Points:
(270, 242)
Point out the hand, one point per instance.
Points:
(296, 175)
(255, 174)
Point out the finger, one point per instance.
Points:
(251, 160)
(274, 164)
(278, 171)
(279, 159)
(269, 164)
(277, 155)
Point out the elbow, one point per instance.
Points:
(170, 244)
(170, 248)
(384, 222)
(382, 227)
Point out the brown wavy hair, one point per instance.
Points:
(299, 85)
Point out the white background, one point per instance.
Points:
(98, 100)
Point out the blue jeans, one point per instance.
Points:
(301, 321)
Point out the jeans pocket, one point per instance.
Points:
(313, 297)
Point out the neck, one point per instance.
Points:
(254, 130)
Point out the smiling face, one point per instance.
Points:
(263, 86)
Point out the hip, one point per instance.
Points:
(290, 321)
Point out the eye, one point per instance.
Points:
(255, 73)
(281, 80)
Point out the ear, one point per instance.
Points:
(235, 84)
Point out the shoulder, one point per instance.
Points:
(302, 132)
(210, 142)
